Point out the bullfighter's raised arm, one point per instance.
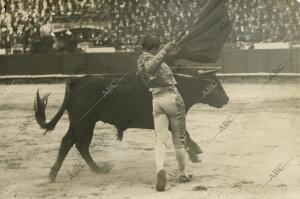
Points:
(152, 62)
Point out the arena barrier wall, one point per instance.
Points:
(232, 61)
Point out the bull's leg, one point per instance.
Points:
(66, 144)
(192, 144)
(84, 135)
(193, 149)
(120, 133)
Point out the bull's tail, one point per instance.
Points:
(40, 109)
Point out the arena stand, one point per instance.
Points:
(255, 21)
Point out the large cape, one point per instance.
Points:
(207, 34)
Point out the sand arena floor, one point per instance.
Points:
(239, 163)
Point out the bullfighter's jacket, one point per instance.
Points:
(154, 72)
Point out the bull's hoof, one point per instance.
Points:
(104, 168)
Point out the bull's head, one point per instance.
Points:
(213, 92)
(203, 85)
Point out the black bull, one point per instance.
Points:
(124, 102)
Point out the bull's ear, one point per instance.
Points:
(205, 72)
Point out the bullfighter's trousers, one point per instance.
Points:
(169, 113)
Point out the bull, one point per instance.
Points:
(124, 102)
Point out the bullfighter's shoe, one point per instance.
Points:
(161, 180)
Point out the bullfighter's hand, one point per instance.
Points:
(172, 48)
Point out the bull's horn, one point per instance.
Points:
(184, 75)
(199, 68)
(203, 72)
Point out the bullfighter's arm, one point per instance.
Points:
(152, 63)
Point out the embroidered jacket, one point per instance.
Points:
(153, 71)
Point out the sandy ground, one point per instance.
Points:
(256, 156)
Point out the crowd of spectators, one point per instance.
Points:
(21, 20)
(264, 21)
(254, 21)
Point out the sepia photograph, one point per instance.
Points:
(150, 99)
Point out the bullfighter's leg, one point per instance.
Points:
(162, 134)
(66, 144)
(84, 135)
(175, 109)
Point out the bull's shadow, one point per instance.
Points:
(122, 101)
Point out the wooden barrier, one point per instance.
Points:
(232, 61)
